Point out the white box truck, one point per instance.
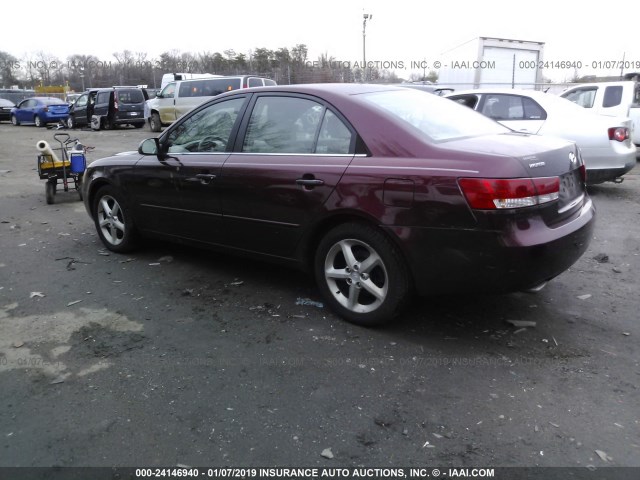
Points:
(492, 63)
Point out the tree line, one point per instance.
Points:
(284, 65)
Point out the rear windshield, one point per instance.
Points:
(54, 101)
(130, 96)
(435, 117)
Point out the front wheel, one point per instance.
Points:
(113, 220)
(362, 274)
(71, 122)
(14, 120)
(38, 121)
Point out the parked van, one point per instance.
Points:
(614, 99)
(172, 77)
(108, 108)
(182, 96)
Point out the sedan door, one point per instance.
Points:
(196, 148)
(290, 154)
(26, 110)
(167, 103)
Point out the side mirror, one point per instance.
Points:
(150, 146)
(159, 94)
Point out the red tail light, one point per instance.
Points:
(619, 134)
(501, 193)
(45, 109)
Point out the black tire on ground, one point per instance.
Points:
(71, 122)
(361, 274)
(113, 220)
(154, 122)
(50, 192)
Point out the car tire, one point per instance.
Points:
(361, 274)
(71, 122)
(113, 220)
(14, 120)
(38, 121)
(154, 122)
(106, 123)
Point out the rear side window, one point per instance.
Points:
(283, 125)
(612, 96)
(221, 85)
(295, 125)
(255, 82)
(130, 96)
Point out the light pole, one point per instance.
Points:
(365, 17)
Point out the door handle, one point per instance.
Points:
(203, 178)
(309, 182)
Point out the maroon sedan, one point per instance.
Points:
(379, 191)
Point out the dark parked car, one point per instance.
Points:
(5, 109)
(108, 108)
(40, 111)
(380, 191)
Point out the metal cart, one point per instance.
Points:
(64, 165)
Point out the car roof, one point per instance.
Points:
(325, 90)
(500, 91)
(44, 99)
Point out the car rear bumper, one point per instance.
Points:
(607, 164)
(522, 256)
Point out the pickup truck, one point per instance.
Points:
(614, 99)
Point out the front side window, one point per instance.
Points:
(82, 101)
(208, 130)
(168, 91)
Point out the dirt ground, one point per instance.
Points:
(174, 356)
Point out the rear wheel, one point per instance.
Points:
(113, 220)
(154, 122)
(50, 191)
(362, 274)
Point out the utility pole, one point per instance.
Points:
(366, 17)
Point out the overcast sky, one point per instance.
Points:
(399, 30)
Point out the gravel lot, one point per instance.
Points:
(176, 356)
